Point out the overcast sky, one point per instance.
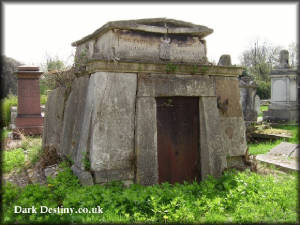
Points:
(33, 31)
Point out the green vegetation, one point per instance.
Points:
(4, 134)
(237, 197)
(263, 108)
(291, 128)
(14, 159)
(43, 99)
(6, 103)
(262, 147)
(171, 68)
(12, 100)
(27, 154)
(263, 89)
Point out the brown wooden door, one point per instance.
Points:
(178, 139)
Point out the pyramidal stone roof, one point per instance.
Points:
(155, 25)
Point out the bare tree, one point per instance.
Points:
(294, 54)
(259, 58)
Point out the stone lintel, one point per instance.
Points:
(158, 85)
(162, 68)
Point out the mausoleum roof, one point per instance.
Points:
(154, 25)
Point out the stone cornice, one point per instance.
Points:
(154, 25)
(168, 68)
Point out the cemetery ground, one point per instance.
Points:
(236, 197)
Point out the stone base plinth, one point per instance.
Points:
(30, 124)
(276, 115)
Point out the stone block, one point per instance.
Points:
(158, 85)
(53, 120)
(113, 175)
(212, 151)
(227, 90)
(273, 115)
(146, 141)
(234, 135)
(85, 177)
(108, 124)
(73, 117)
(149, 40)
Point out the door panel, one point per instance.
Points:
(178, 139)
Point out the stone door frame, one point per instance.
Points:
(212, 155)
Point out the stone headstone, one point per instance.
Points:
(285, 149)
(29, 119)
(284, 59)
(257, 104)
(13, 115)
(284, 92)
(247, 98)
(284, 156)
(85, 177)
(225, 60)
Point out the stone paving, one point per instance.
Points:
(284, 156)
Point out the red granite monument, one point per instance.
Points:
(29, 119)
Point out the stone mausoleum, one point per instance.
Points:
(284, 105)
(148, 108)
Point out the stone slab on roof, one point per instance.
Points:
(154, 25)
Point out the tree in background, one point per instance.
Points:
(50, 67)
(294, 54)
(260, 58)
(9, 79)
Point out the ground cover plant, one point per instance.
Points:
(24, 155)
(263, 108)
(238, 197)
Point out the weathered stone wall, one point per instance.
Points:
(231, 117)
(125, 45)
(53, 120)
(109, 119)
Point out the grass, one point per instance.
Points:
(27, 154)
(236, 197)
(4, 134)
(262, 147)
(6, 104)
(263, 108)
(14, 159)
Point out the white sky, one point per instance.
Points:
(32, 31)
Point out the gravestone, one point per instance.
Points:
(257, 104)
(111, 124)
(284, 92)
(225, 60)
(248, 98)
(13, 115)
(29, 119)
(285, 156)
